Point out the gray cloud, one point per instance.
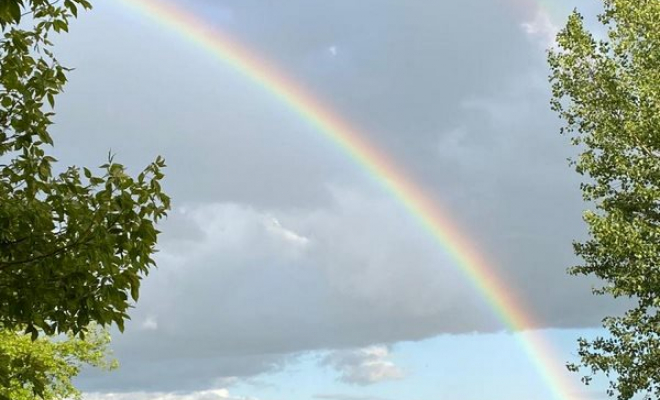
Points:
(240, 291)
(254, 285)
(280, 243)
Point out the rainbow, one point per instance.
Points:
(501, 299)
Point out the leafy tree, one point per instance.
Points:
(607, 90)
(73, 245)
(47, 366)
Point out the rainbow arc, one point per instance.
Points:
(510, 311)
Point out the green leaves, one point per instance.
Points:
(44, 367)
(87, 245)
(608, 93)
(10, 12)
(74, 245)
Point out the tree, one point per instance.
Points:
(608, 93)
(74, 245)
(46, 366)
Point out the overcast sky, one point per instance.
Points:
(286, 272)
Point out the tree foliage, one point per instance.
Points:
(74, 244)
(607, 90)
(47, 366)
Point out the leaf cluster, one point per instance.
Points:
(608, 93)
(47, 366)
(12, 12)
(74, 242)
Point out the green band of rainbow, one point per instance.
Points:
(508, 309)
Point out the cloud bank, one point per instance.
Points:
(280, 243)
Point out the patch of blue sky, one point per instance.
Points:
(452, 367)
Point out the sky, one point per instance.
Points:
(285, 270)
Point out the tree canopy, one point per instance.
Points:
(46, 366)
(74, 244)
(607, 90)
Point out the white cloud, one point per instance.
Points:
(275, 227)
(541, 28)
(365, 366)
(214, 394)
(150, 323)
